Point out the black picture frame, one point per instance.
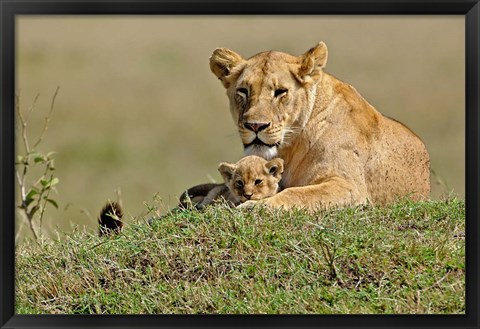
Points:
(10, 8)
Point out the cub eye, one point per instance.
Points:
(239, 184)
(258, 181)
(280, 92)
(243, 92)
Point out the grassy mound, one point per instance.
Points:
(405, 258)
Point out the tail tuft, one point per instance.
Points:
(110, 219)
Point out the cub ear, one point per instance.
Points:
(274, 167)
(222, 63)
(226, 170)
(312, 63)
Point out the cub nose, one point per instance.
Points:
(256, 126)
(248, 196)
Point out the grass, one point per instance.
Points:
(404, 258)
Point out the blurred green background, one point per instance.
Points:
(139, 110)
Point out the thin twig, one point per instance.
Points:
(32, 107)
(45, 203)
(47, 118)
(20, 184)
(30, 223)
(23, 122)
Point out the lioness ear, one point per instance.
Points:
(226, 170)
(274, 167)
(312, 62)
(222, 63)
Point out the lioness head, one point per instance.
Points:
(271, 94)
(252, 177)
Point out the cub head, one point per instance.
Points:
(271, 94)
(252, 177)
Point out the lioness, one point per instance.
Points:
(338, 150)
(251, 178)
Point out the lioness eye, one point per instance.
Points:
(239, 183)
(242, 92)
(258, 181)
(280, 92)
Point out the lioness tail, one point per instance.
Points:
(110, 219)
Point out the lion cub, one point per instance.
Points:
(251, 178)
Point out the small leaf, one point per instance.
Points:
(33, 211)
(53, 203)
(33, 191)
(33, 155)
(29, 197)
(49, 183)
(39, 159)
(27, 202)
(51, 165)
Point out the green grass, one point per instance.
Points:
(405, 258)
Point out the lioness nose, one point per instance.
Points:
(256, 126)
(248, 196)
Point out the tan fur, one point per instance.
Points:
(251, 178)
(338, 150)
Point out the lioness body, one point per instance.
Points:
(337, 149)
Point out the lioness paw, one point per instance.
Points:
(248, 204)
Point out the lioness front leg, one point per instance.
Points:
(333, 192)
